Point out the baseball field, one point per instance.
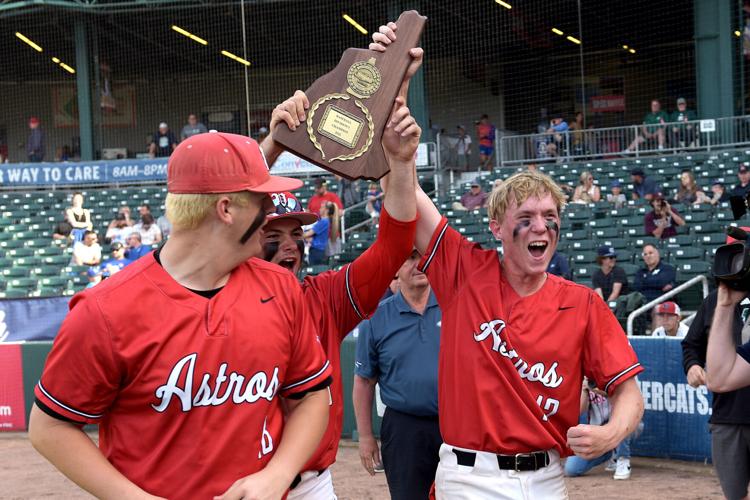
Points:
(26, 475)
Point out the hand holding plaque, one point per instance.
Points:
(350, 106)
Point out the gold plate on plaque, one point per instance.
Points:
(341, 126)
(363, 78)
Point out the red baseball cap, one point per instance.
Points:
(222, 163)
(732, 240)
(668, 308)
(34, 120)
(288, 207)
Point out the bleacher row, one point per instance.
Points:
(33, 265)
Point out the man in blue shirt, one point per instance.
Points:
(398, 349)
(117, 262)
(643, 187)
(558, 266)
(135, 250)
(657, 277)
(318, 235)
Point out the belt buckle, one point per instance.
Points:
(515, 462)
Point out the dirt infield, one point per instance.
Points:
(26, 475)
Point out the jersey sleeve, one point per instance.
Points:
(308, 366)
(81, 377)
(366, 356)
(608, 357)
(447, 261)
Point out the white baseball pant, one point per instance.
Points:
(485, 480)
(314, 487)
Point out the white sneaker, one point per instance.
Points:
(611, 464)
(623, 469)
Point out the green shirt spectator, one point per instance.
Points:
(683, 134)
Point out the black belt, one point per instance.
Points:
(298, 478)
(518, 462)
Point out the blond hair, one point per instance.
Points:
(519, 188)
(188, 211)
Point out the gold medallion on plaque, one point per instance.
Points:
(343, 126)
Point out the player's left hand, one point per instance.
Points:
(291, 112)
(401, 135)
(259, 486)
(590, 441)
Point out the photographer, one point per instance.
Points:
(663, 220)
(730, 418)
(728, 365)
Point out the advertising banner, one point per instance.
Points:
(12, 404)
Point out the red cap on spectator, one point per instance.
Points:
(668, 308)
(288, 207)
(34, 120)
(732, 240)
(222, 163)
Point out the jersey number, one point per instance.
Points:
(550, 406)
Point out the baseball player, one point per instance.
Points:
(515, 345)
(727, 365)
(181, 357)
(339, 300)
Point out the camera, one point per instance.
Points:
(732, 261)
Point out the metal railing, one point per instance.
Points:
(635, 140)
(647, 307)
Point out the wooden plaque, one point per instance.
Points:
(350, 105)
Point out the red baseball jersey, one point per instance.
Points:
(511, 367)
(339, 300)
(184, 388)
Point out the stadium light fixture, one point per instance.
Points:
(737, 33)
(28, 42)
(67, 68)
(235, 58)
(557, 31)
(574, 40)
(189, 35)
(56, 60)
(625, 47)
(504, 4)
(354, 23)
(632, 51)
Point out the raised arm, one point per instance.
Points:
(291, 112)
(725, 369)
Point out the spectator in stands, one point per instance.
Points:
(374, 200)
(348, 191)
(557, 126)
(577, 137)
(462, 149)
(118, 230)
(333, 246)
(486, 135)
(615, 195)
(656, 277)
(135, 249)
(558, 266)
(87, 252)
(586, 191)
(164, 225)
(718, 193)
(321, 196)
(743, 187)
(609, 281)
(683, 133)
(689, 192)
(653, 127)
(667, 321)
(144, 209)
(62, 230)
(164, 142)
(317, 235)
(117, 262)
(95, 276)
(643, 186)
(193, 127)
(497, 183)
(663, 220)
(730, 411)
(124, 210)
(262, 134)
(78, 217)
(35, 143)
(149, 231)
(473, 199)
